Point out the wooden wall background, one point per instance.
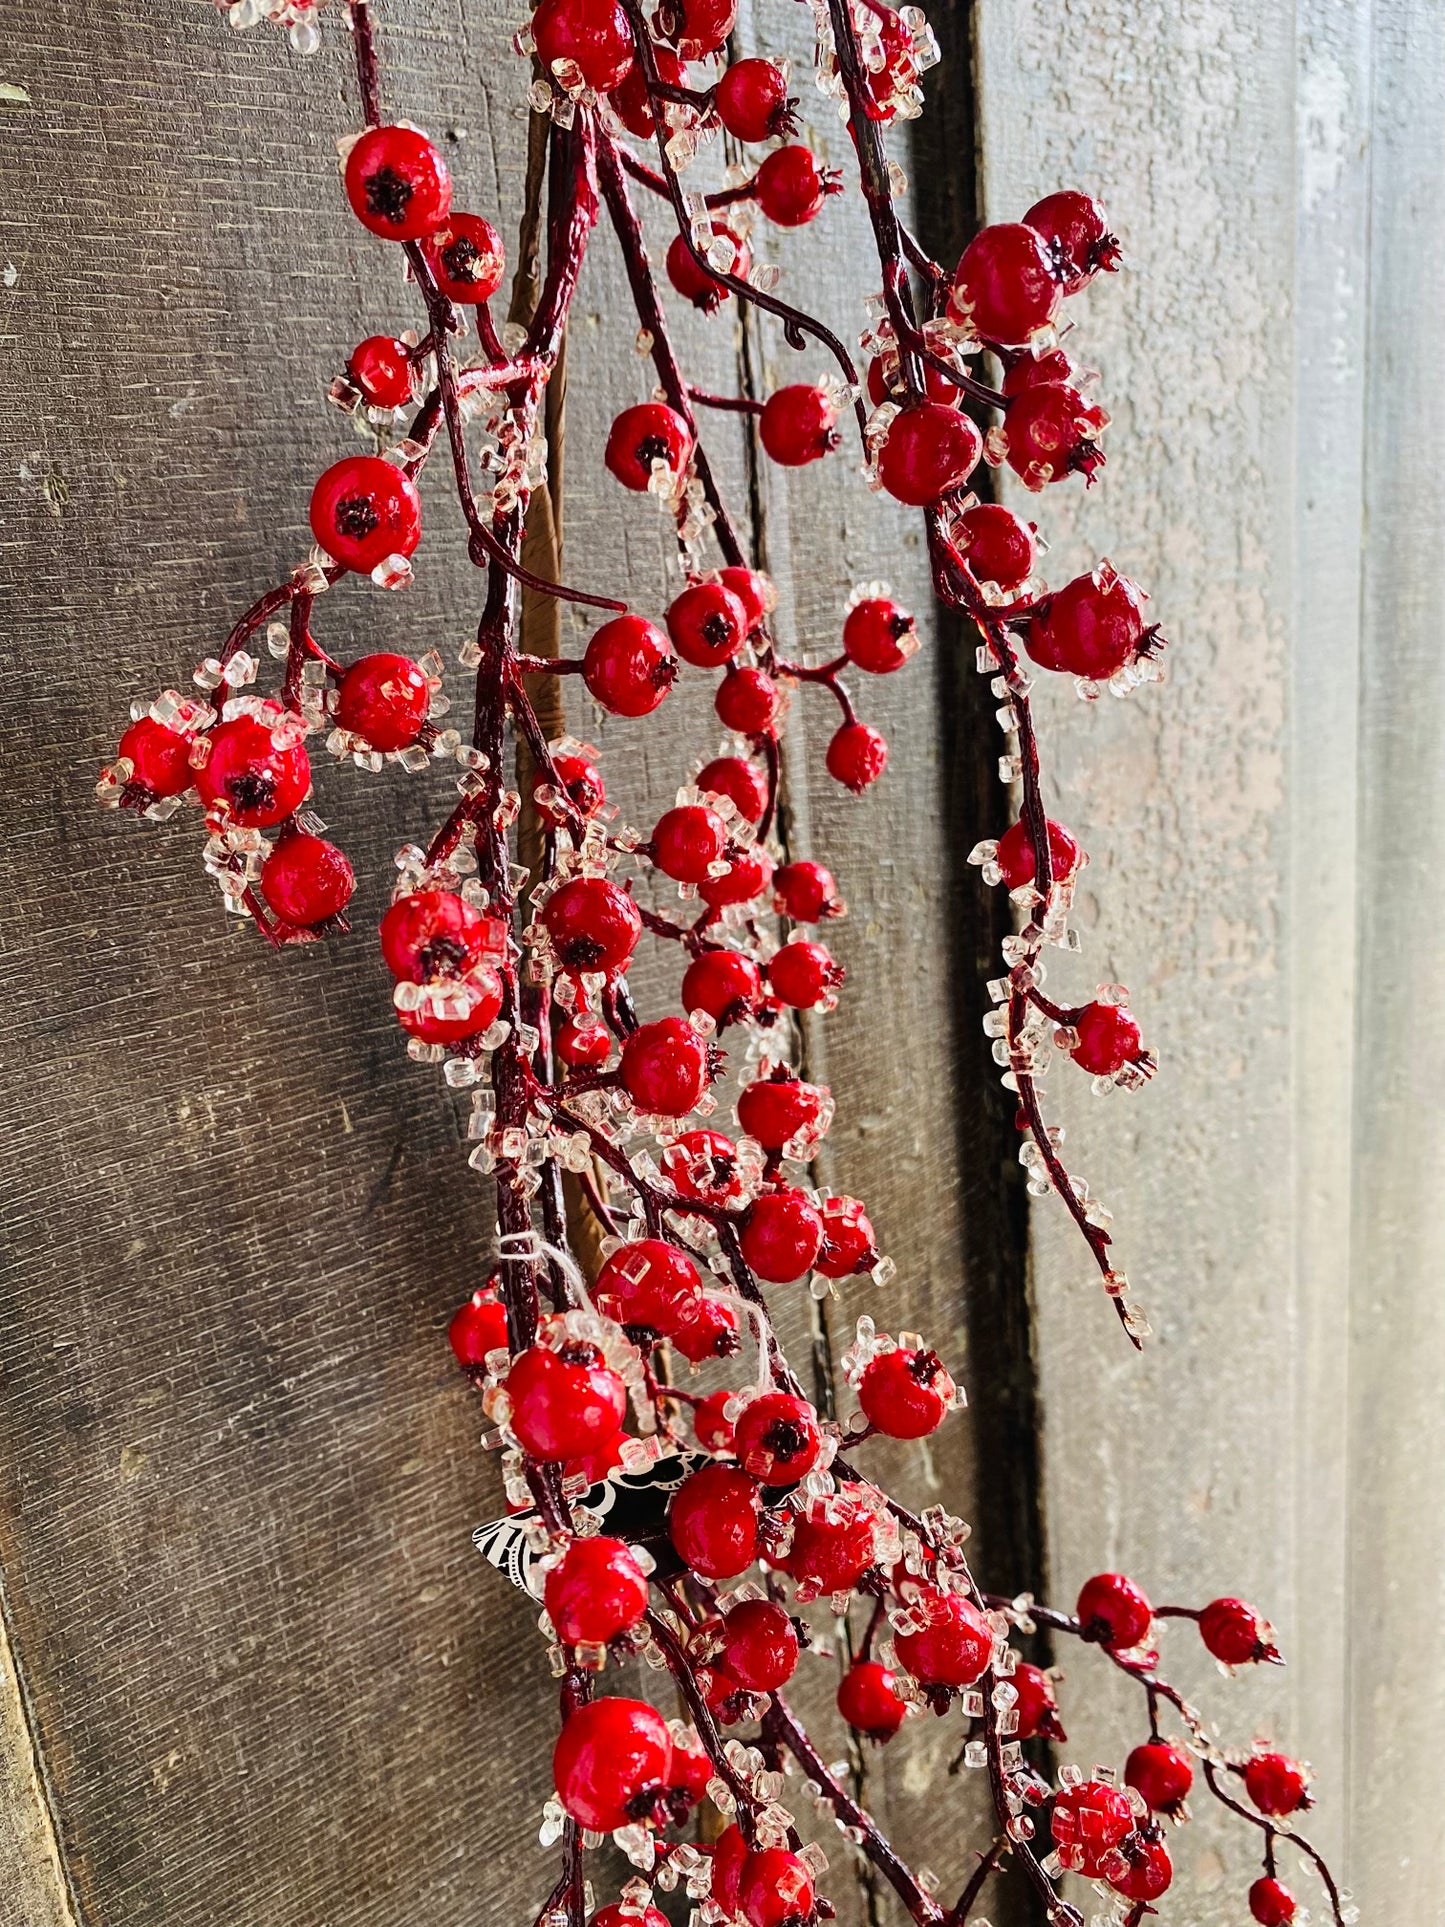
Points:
(251, 1668)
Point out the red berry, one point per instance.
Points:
(651, 432)
(384, 700)
(761, 1649)
(1052, 432)
(804, 974)
(929, 451)
(1015, 856)
(688, 841)
(707, 623)
(806, 892)
(665, 1067)
(1147, 1871)
(752, 101)
(467, 258)
(653, 1283)
(434, 934)
(593, 925)
(630, 99)
(307, 880)
(775, 1889)
(779, 1108)
(728, 1855)
(364, 510)
(953, 1648)
(753, 589)
(724, 983)
(777, 1438)
(1076, 230)
(893, 84)
(565, 1404)
(848, 1242)
(734, 777)
(611, 1763)
(397, 183)
(886, 383)
(1036, 1708)
(749, 876)
(798, 425)
(583, 1043)
(703, 1164)
(703, 26)
(594, 1592)
(710, 1331)
(468, 1008)
(160, 757)
(1236, 1633)
(582, 782)
(906, 1394)
(1271, 1903)
(1001, 547)
(1089, 1821)
(693, 281)
(747, 701)
(615, 1915)
(629, 666)
(381, 368)
(713, 1521)
(1026, 370)
(691, 1776)
(1108, 1039)
(868, 1700)
(782, 1236)
(879, 636)
(1113, 1612)
(1092, 627)
(834, 1544)
(1005, 285)
(857, 756)
(1161, 1773)
(590, 38)
(711, 1426)
(478, 1327)
(249, 778)
(791, 187)
(1277, 1784)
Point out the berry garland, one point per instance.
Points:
(513, 976)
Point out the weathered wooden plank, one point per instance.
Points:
(31, 1876)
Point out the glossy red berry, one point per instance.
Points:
(615, 1915)
(1015, 855)
(728, 1855)
(1109, 1039)
(791, 187)
(906, 1394)
(630, 100)
(470, 1007)
(777, 1438)
(999, 546)
(1277, 1784)
(384, 699)
(1161, 1773)
(1092, 627)
(804, 975)
(593, 925)
(1051, 432)
(879, 636)
(746, 880)
(834, 1544)
(782, 1236)
(1147, 1871)
(869, 1701)
(629, 666)
(611, 1763)
(779, 1108)
(703, 26)
(160, 757)
(1113, 1612)
(307, 880)
(639, 437)
(753, 589)
(775, 1889)
(747, 701)
(397, 183)
(761, 1645)
(688, 841)
(707, 623)
(652, 1282)
(1026, 370)
(579, 778)
(849, 1245)
(1005, 286)
(857, 756)
(584, 42)
(734, 777)
(711, 1426)
(1076, 231)
(1271, 1902)
(798, 425)
(594, 1592)
(953, 1648)
(703, 1164)
(692, 279)
(806, 892)
(467, 258)
(886, 383)
(724, 983)
(583, 1043)
(893, 83)
(477, 1328)
(1089, 1821)
(381, 367)
(752, 101)
(928, 451)
(1236, 1633)
(709, 1331)
(249, 778)
(665, 1067)
(433, 934)
(365, 510)
(565, 1403)
(1036, 1709)
(713, 1521)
